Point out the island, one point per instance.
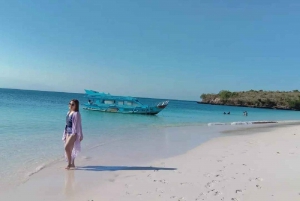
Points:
(285, 100)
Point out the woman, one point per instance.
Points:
(73, 133)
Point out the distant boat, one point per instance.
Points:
(120, 104)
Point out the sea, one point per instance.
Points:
(32, 124)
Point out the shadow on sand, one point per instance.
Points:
(120, 168)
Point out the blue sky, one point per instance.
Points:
(160, 48)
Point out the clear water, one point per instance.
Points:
(32, 122)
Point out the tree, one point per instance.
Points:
(203, 96)
(294, 104)
(225, 95)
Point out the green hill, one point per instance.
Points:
(288, 100)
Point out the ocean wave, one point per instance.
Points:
(37, 169)
(40, 168)
(217, 124)
(241, 123)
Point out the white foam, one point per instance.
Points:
(242, 123)
(216, 124)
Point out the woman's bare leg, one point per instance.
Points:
(73, 163)
(71, 149)
(68, 148)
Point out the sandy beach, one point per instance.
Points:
(149, 100)
(247, 164)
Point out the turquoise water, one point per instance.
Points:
(32, 122)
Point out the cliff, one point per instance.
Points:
(286, 100)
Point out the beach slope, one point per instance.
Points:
(264, 165)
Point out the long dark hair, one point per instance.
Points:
(76, 102)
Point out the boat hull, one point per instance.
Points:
(120, 104)
(115, 109)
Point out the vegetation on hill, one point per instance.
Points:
(289, 100)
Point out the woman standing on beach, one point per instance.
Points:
(73, 133)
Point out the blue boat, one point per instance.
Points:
(120, 104)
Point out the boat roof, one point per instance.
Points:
(101, 95)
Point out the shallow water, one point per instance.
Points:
(32, 122)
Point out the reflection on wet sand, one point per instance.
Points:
(69, 184)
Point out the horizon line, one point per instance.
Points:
(84, 93)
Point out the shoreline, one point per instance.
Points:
(231, 128)
(112, 176)
(187, 128)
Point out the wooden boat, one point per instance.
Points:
(120, 104)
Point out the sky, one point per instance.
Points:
(160, 48)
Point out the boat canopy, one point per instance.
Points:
(98, 95)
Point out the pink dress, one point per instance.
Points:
(77, 130)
